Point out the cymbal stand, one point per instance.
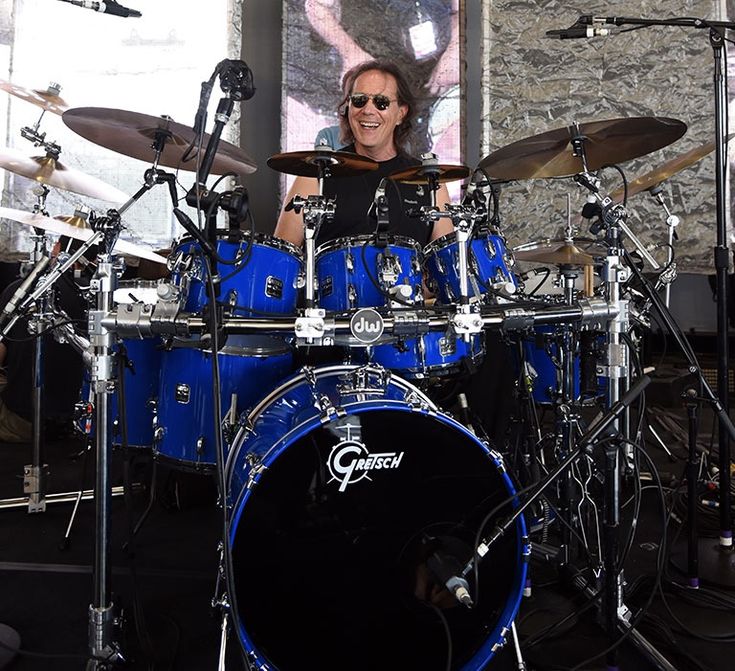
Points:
(34, 474)
(103, 649)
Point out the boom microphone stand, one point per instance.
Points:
(718, 566)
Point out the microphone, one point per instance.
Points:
(25, 285)
(106, 7)
(448, 570)
(576, 31)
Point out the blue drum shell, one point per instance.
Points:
(265, 283)
(489, 263)
(347, 271)
(249, 367)
(141, 380)
(434, 354)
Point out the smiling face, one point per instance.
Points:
(372, 128)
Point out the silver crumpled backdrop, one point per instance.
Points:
(532, 84)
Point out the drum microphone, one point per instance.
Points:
(107, 7)
(578, 31)
(24, 286)
(448, 570)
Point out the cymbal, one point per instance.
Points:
(418, 174)
(559, 252)
(48, 99)
(664, 171)
(133, 134)
(551, 154)
(50, 171)
(306, 163)
(58, 226)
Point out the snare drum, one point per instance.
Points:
(355, 273)
(250, 366)
(264, 281)
(332, 518)
(433, 354)
(489, 267)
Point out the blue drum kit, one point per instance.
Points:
(356, 508)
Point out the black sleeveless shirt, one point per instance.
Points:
(355, 195)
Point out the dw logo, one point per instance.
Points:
(367, 325)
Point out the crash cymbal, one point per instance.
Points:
(48, 99)
(664, 171)
(50, 171)
(58, 226)
(133, 134)
(560, 252)
(419, 174)
(613, 141)
(307, 163)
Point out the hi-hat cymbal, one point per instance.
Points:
(664, 171)
(420, 174)
(551, 154)
(48, 99)
(133, 134)
(560, 252)
(58, 226)
(50, 171)
(309, 163)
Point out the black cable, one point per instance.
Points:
(447, 632)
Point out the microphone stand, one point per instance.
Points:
(718, 567)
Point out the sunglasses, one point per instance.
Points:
(380, 101)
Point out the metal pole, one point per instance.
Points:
(722, 262)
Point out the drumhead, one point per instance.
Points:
(341, 488)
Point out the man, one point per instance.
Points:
(375, 121)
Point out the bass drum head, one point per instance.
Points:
(330, 545)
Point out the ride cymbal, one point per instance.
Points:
(48, 99)
(134, 134)
(312, 163)
(420, 174)
(59, 226)
(664, 171)
(551, 154)
(50, 171)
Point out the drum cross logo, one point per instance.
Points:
(349, 462)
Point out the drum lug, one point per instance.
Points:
(328, 411)
(256, 468)
(232, 298)
(390, 268)
(350, 262)
(418, 402)
(352, 296)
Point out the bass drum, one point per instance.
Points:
(342, 486)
